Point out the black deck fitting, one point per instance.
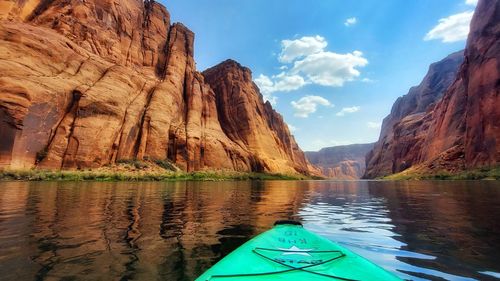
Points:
(282, 222)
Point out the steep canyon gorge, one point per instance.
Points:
(88, 83)
(450, 122)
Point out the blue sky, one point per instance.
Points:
(332, 67)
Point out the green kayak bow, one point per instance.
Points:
(290, 252)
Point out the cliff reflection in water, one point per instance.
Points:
(175, 231)
(132, 231)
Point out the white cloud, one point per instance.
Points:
(471, 2)
(309, 63)
(264, 83)
(350, 21)
(286, 83)
(374, 125)
(308, 104)
(282, 82)
(266, 87)
(451, 29)
(368, 80)
(271, 99)
(330, 69)
(292, 128)
(307, 45)
(346, 110)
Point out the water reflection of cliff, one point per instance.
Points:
(174, 231)
(454, 222)
(133, 231)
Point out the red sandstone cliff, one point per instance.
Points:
(405, 127)
(87, 83)
(462, 130)
(466, 122)
(345, 162)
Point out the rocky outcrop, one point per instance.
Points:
(405, 127)
(341, 162)
(461, 130)
(251, 123)
(466, 122)
(89, 83)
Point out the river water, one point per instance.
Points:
(175, 231)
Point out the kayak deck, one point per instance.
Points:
(290, 252)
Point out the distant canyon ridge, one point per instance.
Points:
(89, 83)
(345, 162)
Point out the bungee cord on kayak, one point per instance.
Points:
(291, 268)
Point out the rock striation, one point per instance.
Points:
(88, 83)
(461, 131)
(405, 127)
(341, 162)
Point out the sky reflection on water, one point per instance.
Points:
(175, 231)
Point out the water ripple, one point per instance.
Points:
(175, 231)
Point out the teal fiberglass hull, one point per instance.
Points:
(290, 252)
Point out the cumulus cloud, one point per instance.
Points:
(286, 83)
(451, 29)
(265, 84)
(374, 125)
(305, 61)
(292, 128)
(266, 87)
(282, 82)
(350, 21)
(471, 2)
(298, 48)
(347, 110)
(330, 69)
(308, 105)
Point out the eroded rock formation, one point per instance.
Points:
(88, 83)
(463, 128)
(341, 162)
(404, 129)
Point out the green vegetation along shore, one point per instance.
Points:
(134, 170)
(477, 174)
(45, 175)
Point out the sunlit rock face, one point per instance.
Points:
(88, 83)
(341, 162)
(461, 131)
(251, 123)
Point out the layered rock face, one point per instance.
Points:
(251, 123)
(462, 130)
(404, 129)
(466, 122)
(88, 83)
(341, 162)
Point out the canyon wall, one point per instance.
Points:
(88, 83)
(461, 131)
(405, 127)
(341, 162)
